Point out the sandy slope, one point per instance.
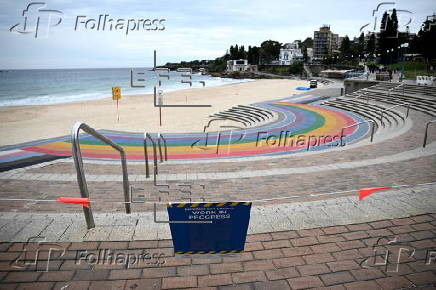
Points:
(27, 123)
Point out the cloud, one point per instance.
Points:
(194, 29)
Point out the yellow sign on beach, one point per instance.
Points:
(116, 93)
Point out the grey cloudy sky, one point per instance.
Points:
(193, 29)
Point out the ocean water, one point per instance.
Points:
(54, 86)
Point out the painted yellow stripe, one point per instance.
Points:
(234, 203)
(247, 203)
(181, 205)
(222, 252)
(332, 119)
(211, 252)
(179, 252)
(208, 204)
(221, 204)
(189, 252)
(195, 204)
(201, 252)
(234, 251)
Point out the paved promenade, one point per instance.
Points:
(307, 228)
(338, 257)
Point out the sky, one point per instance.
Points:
(193, 29)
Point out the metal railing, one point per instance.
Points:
(407, 105)
(159, 138)
(147, 169)
(365, 96)
(78, 162)
(366, 121)
(426, 132)
(147, 136)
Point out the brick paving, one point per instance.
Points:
(339, 257)
(419, 170)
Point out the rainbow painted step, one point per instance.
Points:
(300, 127)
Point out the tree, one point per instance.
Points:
(425, 41)
(308, 42)
(383, 42)
(253, 55)
(360, 49)
(370, 45)
(389, 37)
(345, 48)
(270, 50)
(241, 53)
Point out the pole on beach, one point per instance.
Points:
(118, 112)
(160, 104)
(160, 116)
(116, 95)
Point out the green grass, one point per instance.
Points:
(413, 69)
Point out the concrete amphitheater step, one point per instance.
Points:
(370, 111)
(281, 184)
(250, 116)
(405, 140)
(417, 101)
(394, 203)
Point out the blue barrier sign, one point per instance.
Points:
(226, 233)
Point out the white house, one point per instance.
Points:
(290, 53)
(309, 54)
(240, 65)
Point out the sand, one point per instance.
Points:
(137, 113)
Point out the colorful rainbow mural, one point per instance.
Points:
(297, 126)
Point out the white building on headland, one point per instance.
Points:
(290, 52)
(240, 65)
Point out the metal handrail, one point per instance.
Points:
(159, 137)
(78, 162)
(147, 170)
(366, 121)
(363, 95)
(426, 131)
(390, 108)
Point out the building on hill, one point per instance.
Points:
(325, 43)
(240, 65)
(290, 53)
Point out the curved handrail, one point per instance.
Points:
(247, 114)
(160, 137)
(147, 170)
(257, 109)
(78, 162)
(232, 118)
(363, 95)
(426, 131)
(366, 121)
(390, 108)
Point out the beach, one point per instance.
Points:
(20, 124)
